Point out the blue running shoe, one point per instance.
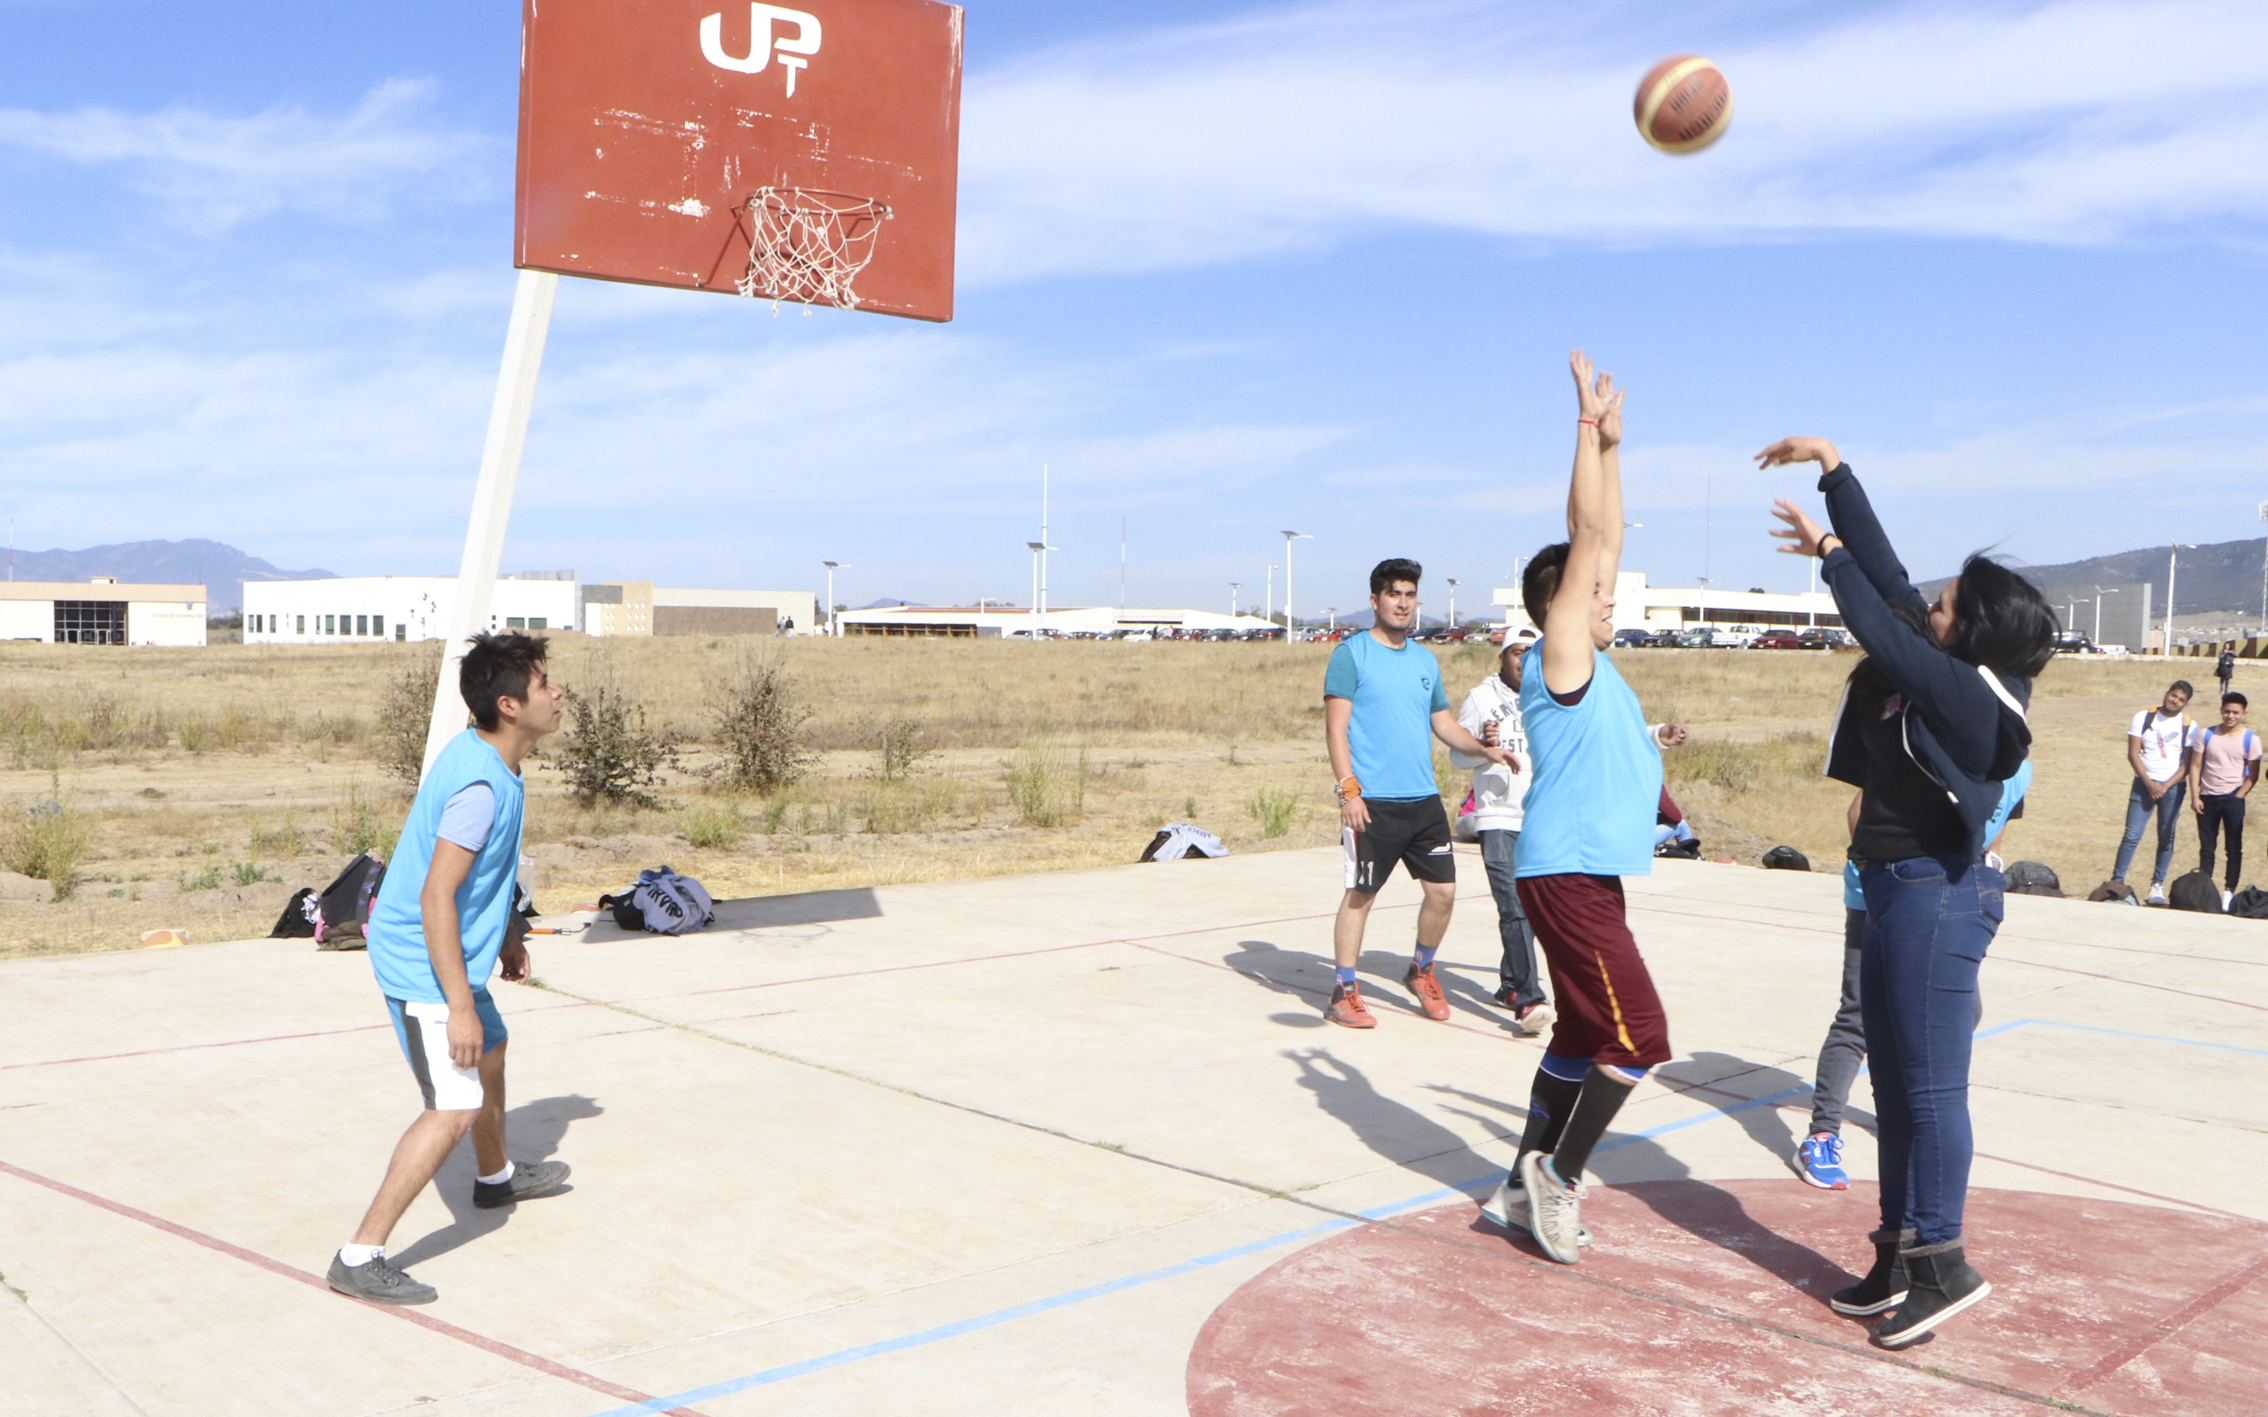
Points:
(1820, 1162)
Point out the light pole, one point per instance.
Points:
(1233, 588)
(1452, 604)
(2173, 553)
(2263, 567)
(2099, 594)
(1268, 606)
(834, 626)
(1039, 548)
(1290, 634)
(1334, 610)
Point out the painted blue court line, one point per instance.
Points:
(1442, 1195)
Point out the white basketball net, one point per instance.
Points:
(809, 246)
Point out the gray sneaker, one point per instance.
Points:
(1508, 1210)
(1555, 1210)
(529, 1178)
(379, 1282)
(2157, 893)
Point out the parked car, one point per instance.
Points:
(1777, 639)
(2074, 642)
(1662, 639)
(1631, 639)
(1730, 639)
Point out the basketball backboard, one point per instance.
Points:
(656, 135)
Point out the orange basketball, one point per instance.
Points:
(1683, 104)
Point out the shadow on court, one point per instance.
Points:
(533, 1131)
(1308, 979)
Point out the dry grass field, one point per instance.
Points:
(196, 789)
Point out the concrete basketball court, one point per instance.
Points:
(1080, 1143)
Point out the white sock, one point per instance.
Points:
(356, 1256)
(499, 1178)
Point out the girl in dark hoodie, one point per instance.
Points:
(1931, 756)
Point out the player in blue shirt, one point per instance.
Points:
(438, 929)
(1383, 705)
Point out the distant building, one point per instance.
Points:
(398, 608)
(1639, 606)
(994, 622)
(102, 611)
(642, 608)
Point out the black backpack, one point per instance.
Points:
(1786, 858)
(2250, 903)
(2034, 878)
(346, 900)
(295, 923)
(2195, 891)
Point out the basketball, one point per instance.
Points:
(1683, 104)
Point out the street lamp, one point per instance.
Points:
(2099, 594)
(2173, 553)
(1268, 606)
(834, 625)
(1452, 603)
(1038, 549)
(1290, 634)
(1334, 611)
(1233, 588)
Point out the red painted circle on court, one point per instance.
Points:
(1710, 1300)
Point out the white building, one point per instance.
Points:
(987, 622)
(102, 612)
(1639, 606)
(399, 608)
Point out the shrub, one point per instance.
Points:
(760, 726)
(405, 711)
(1273, 808)
(251, 874)
(1046, 789)
(900, 750)
(47, 843)
(208, 879)
(355, 827)
(611, 756)
(713, 826)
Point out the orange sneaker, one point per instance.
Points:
(1346, 1008)
(1428, 990)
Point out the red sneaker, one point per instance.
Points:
(1346, 1008)
(1428, 990)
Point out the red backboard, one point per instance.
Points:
(648, 127)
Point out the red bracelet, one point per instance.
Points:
(1592, 421)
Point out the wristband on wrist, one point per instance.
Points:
(1349, 786)
(1592, 421)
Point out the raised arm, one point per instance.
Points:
(1594, 532)
(1851, 514)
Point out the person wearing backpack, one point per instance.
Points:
(439, 927)
(2157, 748)
(1932, 759)
(2224, 764)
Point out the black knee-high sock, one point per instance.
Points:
(1551, 1101)
(1602, 1096)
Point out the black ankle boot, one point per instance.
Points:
(1884, 1285)
(1940, 1284)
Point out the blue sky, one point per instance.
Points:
(1226, 270)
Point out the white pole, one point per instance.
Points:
(492, 496)
(1233, 588)
(2171, 558)
(1268, 606)
(1452, 604)
(1289, 538)
(1045, 545)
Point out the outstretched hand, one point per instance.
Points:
(1802, 533)
(1596, 398)
(1795, 450)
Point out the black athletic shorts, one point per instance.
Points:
(1413, 831)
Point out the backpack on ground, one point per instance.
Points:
(2114, 892)
(298, 920)
(2250, 903)
(2035, 878)
(1179, 841)
(342, 908)
(2195, 891)
(662, 903)
(1786, 858)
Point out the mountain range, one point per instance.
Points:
(2221, 577)
(220, 568)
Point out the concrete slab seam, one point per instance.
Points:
(2168, 1326)
(483, 1342)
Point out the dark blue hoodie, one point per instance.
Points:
(1963, 723)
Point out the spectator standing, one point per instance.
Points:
(2224, 764)
(2157, 748)
(1491, 713)
(2225, 670)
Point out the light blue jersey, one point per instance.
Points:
(484, 902)
(2011, 796)
(1598, 778)
(1395, 693)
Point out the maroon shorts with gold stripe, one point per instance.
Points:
(1608, 1011)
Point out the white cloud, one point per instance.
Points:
(213, 172)
(2078, 121)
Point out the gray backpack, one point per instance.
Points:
(663, 903)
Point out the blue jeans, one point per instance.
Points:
(2138, 810)
(1929, 921)
(1516, 971)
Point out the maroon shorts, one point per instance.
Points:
(1608, 1011)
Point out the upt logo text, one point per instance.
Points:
(794, 50)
